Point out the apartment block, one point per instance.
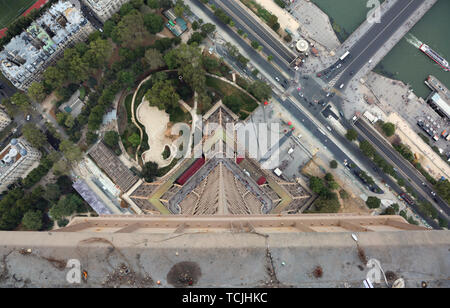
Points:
(16, 161)
(5, 120)
(104, 9)
(26, 56)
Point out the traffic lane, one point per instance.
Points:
(410, 171)
(277, 59)
(255, 25)
(369, 35)
(372, 45)
(252, 53)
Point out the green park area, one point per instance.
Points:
(11, 9)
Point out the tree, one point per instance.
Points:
(351, 135)
(154, 58)
(233, 102)
(134, 139)
(163, 95)
(54, 76)
(111, 139)
(52, 192)
(388, 129)
(32, 220)
(37, 92)
(34, 136)
(333, 164)
(179, 10)
(71, 151)
(153, 22)
(22, 101)
(76, 67)
(131, 30)
(367, 148)
(150, 171)
(316, 184)
(99, 53)
(66, 206)
(255, 44)
(196, 37)
(208, 28)
(260, 90)
(373, 202)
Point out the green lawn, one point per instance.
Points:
(11, 9)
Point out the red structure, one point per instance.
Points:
(239, 160)
(36, 6)
(261, 180)
(191, 171)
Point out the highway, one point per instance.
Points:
(404, 167)
(374, 39)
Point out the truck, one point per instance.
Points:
(277, 171)
(344, 56)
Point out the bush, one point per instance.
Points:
(333, 164)
(373, 202)
(388, 129)
(351, 135)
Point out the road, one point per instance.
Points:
(373, 40)
(254, 27)
(313, 92)
(404, 167)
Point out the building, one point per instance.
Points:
(16, 160)
(219, 182)
(441, 106)
(5, 120)
(104, 9)
(176, 25)
(26, 56)
(228, 251)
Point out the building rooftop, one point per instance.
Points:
(441, 103)
(25, 53)
(113, 167)
(234, 256)
(215, 184)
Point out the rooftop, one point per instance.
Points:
(113, 167)
(215, 184)
(239, 257)
(25, 53)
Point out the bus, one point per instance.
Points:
(407, 198)
(344, 56)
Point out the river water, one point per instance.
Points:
(405, 61)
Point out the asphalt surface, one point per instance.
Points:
(253, 27)
(405, 167)
(313, 93)
(374, 39)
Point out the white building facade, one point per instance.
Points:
(104, 9)
(16, 161)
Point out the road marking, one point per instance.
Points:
(378, 35)
(251, 31)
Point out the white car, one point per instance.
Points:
(277, 79)
(341, 86)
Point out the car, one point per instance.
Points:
(328, 94)
(351, 73)
(370, 61)
(319, 75)
(299, 89)
(339, 65)
(341, 86)
(329, 128)
(433, 194)
(28, 117)
(277, 79)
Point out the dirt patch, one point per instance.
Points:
(362, 255)
(318, 272)
(184, 274)
(124, 276)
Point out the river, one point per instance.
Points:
(405, 61)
